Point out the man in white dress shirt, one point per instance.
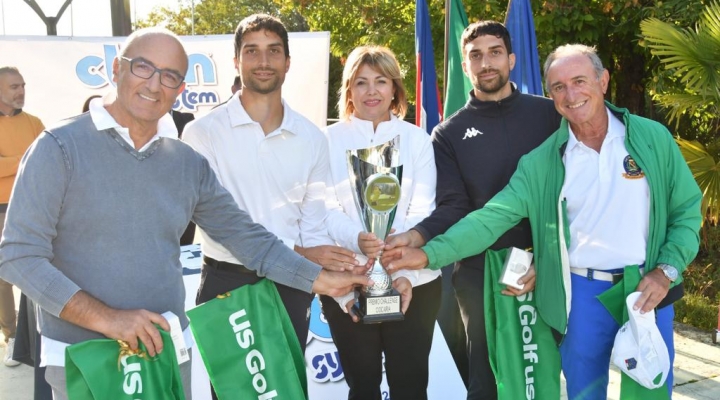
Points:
(273, 161)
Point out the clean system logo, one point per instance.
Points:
(96, 72)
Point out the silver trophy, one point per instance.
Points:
(375, 176)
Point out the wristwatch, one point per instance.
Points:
(670, 272)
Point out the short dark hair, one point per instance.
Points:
(261, 22)
(482, 28)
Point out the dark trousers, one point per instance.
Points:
(406, 345)
(451, 324)
(8, 321)
(188, 237)
(469, 283)
(28, 347)
(219, 277)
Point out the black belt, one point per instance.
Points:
(3, 208)
(226, 266)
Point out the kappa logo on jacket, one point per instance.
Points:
(471, 133)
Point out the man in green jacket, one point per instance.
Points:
(607, 190)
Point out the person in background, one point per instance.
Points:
(86, 105)
(99, 205)
(21, 128)
(372, 104)
(181, 119)
(18, 129)
(476, 152)
(237, 84)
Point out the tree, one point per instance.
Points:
(389, 23)
(353, 23)
(611, 25)
(217, 17)
(692, 56)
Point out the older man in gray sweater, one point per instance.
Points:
(99, 206)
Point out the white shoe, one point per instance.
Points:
(7, 360)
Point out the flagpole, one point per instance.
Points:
(193, 17)
(2, 5)
(445, 50)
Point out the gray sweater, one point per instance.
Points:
(90, 212)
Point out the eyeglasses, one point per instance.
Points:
(143, 69)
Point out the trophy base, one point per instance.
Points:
(376, 309)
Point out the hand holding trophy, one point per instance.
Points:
(375, 176)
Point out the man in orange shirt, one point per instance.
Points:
(18, 129)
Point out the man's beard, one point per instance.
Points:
(15, 104)
(492, 86)
(264, 87)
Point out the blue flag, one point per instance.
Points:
(519, 22)
(427, 96)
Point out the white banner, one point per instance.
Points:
(62, 72)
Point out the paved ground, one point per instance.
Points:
(16, 383)
(697, 370)
(697, 365)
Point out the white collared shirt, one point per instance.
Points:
(53, 351)
(419, 177)
(278, 178)
(103, 120)
(608, 202)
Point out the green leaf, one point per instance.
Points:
(707, 175)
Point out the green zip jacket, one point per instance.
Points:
(534, 192)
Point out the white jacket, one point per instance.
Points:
(419, 178)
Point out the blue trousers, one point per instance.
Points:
(587, 346)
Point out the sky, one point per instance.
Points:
(81, 18)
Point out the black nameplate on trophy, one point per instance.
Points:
(376, 309)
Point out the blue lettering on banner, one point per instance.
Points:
(319, 328)
(189, 99)
(326, 367)
(96, 72)
(206, 67)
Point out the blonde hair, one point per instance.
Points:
(382, 60)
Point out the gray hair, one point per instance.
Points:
(9, 70)
(573, 49)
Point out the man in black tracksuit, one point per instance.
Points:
(477, 150)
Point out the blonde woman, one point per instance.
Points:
(372, 104)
